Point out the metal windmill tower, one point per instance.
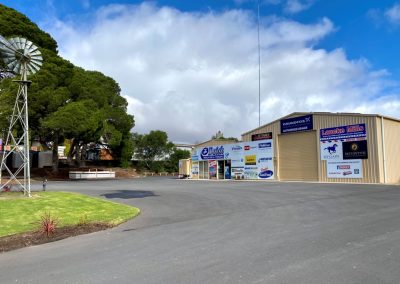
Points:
(22, 58)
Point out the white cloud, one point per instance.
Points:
(296, 6)
(192, 74)
(393, 14)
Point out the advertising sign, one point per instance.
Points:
(333, 141)
(250, 160)
(297, 124)
(195, 168)
(355, 150)
(251, 172)
(261, 136)
(344, 169)
(212, 169)
(227, 174)
(343, 132)
(331, 150)
(212, 153)
(343, 147)
(238, 172)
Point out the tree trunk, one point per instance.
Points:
(72, 151)
(82, 155)
(55, 153)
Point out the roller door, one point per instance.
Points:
(298, 156)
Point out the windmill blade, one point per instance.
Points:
(29, 55)
(36, 64)
(22, 43)
(5, 45)
(29, 45)
(14, 43)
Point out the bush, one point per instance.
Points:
(48, 224)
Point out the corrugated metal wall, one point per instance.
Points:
(372, 167)
(297, 156)
(392, 149)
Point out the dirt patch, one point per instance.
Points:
(17, 241)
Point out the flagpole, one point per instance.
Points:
(259, 64)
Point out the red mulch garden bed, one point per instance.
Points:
(17, 241)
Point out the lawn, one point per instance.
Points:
(22, 214)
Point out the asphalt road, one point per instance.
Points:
(226, 232)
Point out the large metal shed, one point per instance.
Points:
(334, 147)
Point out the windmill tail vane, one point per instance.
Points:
(21, 57)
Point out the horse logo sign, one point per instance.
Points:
(331, 149)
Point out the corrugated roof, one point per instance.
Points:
(322, 113)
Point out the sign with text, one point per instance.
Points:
(261, 136)
(333, 141)
(343, 132)
(251, 159)
(297, 124)
(344, 169)
(353, 150)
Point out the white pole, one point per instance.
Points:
(259, 64)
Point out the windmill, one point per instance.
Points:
(23, 58)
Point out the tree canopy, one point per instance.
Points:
(13, 23)
(154, 152)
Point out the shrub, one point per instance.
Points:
(48, 224)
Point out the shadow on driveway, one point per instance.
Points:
(128, 194)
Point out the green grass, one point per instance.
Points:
(22, 214)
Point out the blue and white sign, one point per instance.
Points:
(344, 169)
(212, 153)
(264, 145)
(260, 152)
(331, 147)
(331, 140)
(297, 124)
(343, 132)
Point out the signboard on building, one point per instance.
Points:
(355, 150)
(212, 169)
(297, 124)
(195, 168)
(261, 136)
(212, 153)
(343, 147)
(251, 160)
(343, 132)
(344, 169)
(333, 140)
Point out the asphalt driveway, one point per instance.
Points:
(226, 232)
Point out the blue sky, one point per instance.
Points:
(343, 51)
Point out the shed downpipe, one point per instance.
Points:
(384, 151)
